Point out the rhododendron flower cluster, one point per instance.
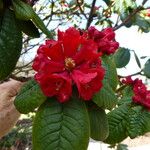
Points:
(141, 94)
(105, 40)
(72, 60)
(148, 13)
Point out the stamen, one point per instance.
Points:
(69, 63)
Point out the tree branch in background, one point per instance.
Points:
(90, 19)
(128, 18)
(81, 10)
(21, 79)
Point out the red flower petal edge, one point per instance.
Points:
(105, 40)
(141, 94)
(71, 60)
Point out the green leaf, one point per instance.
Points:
(22, 10)
(108, 2)
(128, 92)
(39, 23)
(61, 126)
(137, 60)
(146, 69)
(10, 44)
(137, 121)
(106, 97)
(122, 147)
(123, 16)
(111, 72)
(124, 5)
(122, 57)
(125, 100)
(29, 97)
(98, 123)
(28, 28)
(117, 124)
(143, 23)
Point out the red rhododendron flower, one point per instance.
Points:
(128, 80)
(141, 94)
(148, 13)
(71, 60)
(105, 40)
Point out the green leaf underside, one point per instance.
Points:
(128, 92)
(125, 100)
(122, 57)
(29, 97)
(61, 126)
(106, 97)
(10, 44)
(137, 60)
(98, 123)
(127, 96)
(146, 69)
(111, 72)
(117, 124)
(137, 122)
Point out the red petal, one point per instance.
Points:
(58, 85)
(87, 51)
(71, 41)
(54, 52)
(89, 82)
(43, 64)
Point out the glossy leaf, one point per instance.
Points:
(10, 44)
(137, 60)
(39, 23)
(22, 10)
(123, 5)
(146, 69)
(117, 124)
(98, 123)
(107, 1)
(123, 16)
(106, 97)
(29, 97)
(28, 28)
(25, 12)
(143, 23)
(61, 126)
(110, 71)
(122, 57)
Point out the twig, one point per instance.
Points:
(128, 18)
(135, 74)
(81, 10)
(90, 19)
(144, 2)
(21, 79)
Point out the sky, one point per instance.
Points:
(134, 40)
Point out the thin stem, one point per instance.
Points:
(90, 19)
(128, 18)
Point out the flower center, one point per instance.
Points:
(69, 63)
